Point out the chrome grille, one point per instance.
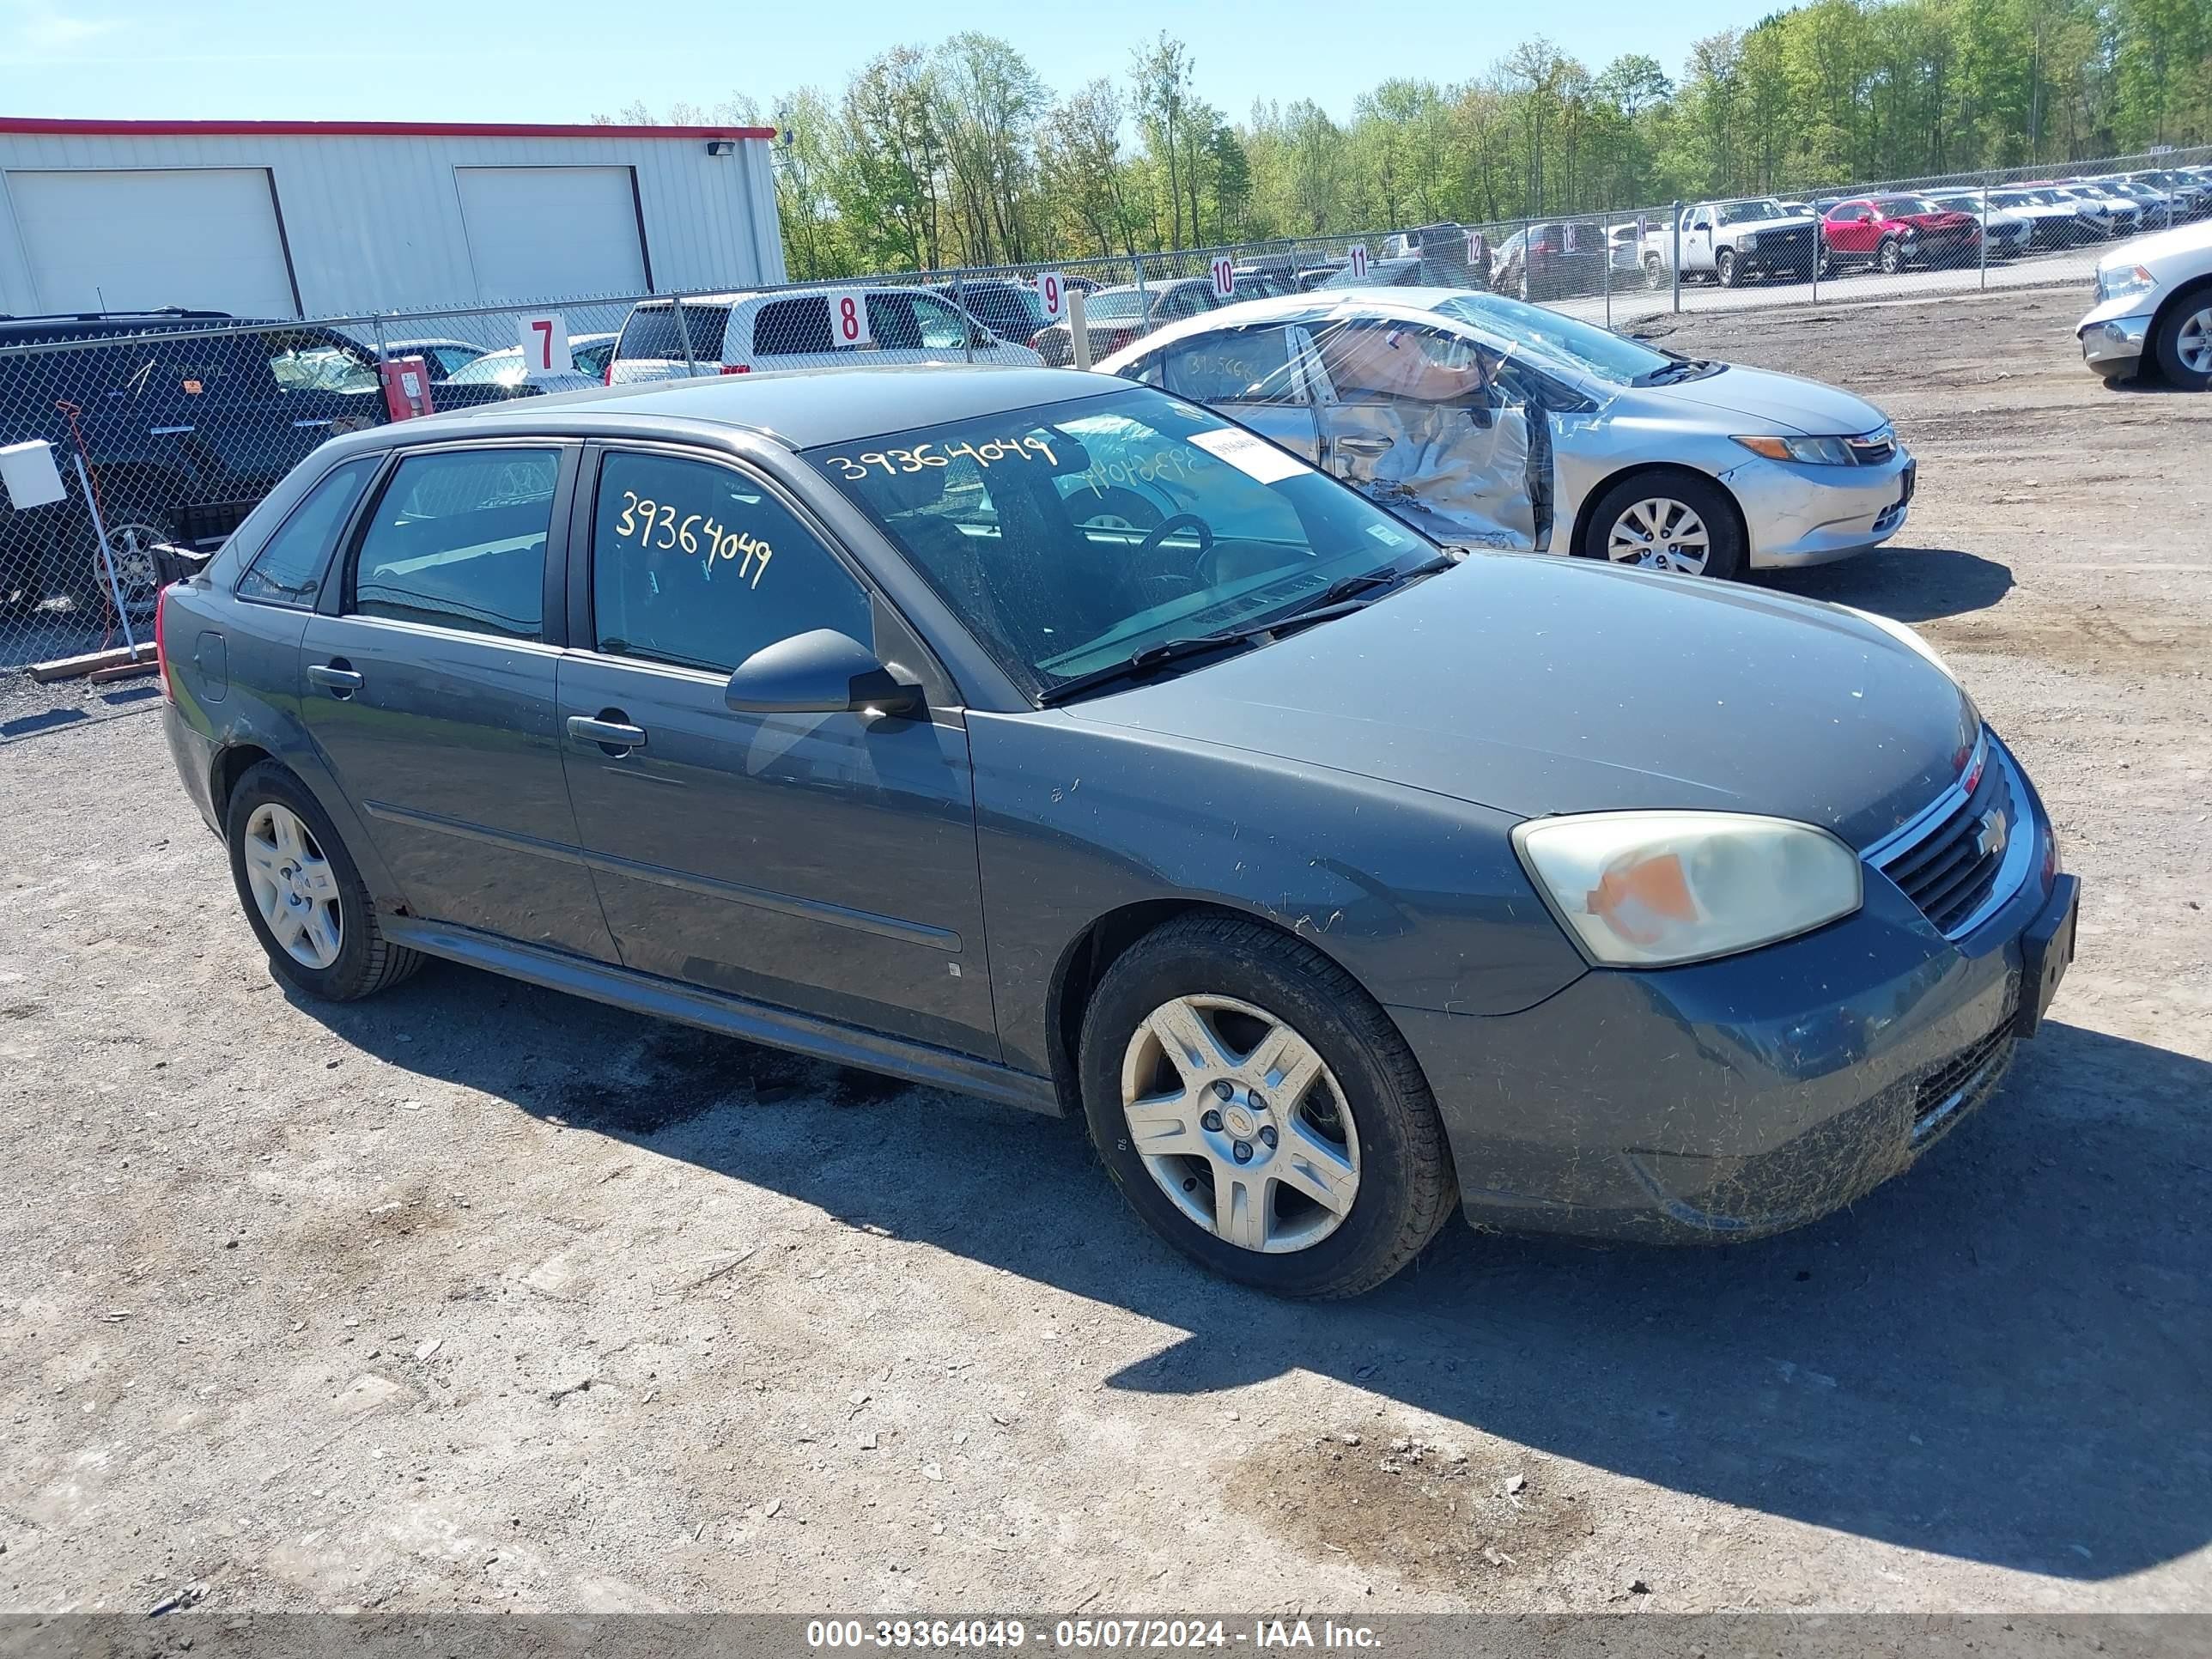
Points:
(1873, 448)
(1951, 867)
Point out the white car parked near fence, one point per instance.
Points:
(2153, 299)
(740, 333)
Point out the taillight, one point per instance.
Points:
(737, 368)
(161, 646)
(608, 379)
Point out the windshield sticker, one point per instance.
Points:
(1254, 457)
(658, 525)
(1388, 536)
(894, 461)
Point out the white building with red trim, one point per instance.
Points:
(335, 219)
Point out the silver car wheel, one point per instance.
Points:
(136, 573)
(294, 886)
(1241, 1123)
(2193, 344)
(1660, 534)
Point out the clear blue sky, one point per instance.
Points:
(562, 60)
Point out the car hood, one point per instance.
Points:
(1778, 400)
(1534, 685)
(2183, 240)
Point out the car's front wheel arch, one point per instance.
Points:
(1656, 473)
(1085, 963)
(2183, 299)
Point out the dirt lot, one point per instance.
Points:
(477, 1295)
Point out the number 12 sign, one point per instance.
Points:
(848, 317)
(545, 346)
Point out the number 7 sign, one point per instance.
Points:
(545, 346)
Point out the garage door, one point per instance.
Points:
(203, 238)
(551, 233)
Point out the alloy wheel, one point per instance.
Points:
(2193, 344)
(136, 572)
(1660, 533)
(294, 886)
(1240, 1122)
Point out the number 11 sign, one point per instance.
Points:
(545, 346)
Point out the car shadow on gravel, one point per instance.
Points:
(2001, 1356)
(1908, 584)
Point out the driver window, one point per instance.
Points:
(1370, 362)
(696, 565)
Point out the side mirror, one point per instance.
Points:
(981, 337)
(823, 672)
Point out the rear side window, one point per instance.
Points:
(1247, 366)
(289, 570)
(696, 565)
(791, 328)
(654, 331)
(457, 540)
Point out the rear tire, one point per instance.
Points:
(1655, 272)
(1364, 1096)
(365, 961)
(2183, 342)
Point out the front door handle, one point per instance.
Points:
(611, 735)
(335, 678)
(326, 421)
(1360, 445)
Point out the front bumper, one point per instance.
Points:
(1804, 515)
(2113, 346)
(1735, 1098)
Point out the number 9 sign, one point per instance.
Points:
(1052, 294)
(848, 317)
(1225, 279)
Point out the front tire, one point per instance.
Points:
(1891, 257)
(2183, 343)
(1724, 270)
(1259, 1111)
(303, 894)
(1655, 272)
(1669, 520)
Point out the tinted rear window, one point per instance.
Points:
(652, 331)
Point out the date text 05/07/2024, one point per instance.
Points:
(1108, 1634)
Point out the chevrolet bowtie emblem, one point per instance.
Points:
(1991, 841)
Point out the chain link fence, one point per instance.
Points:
(165, 429)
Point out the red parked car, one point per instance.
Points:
(1893, 232)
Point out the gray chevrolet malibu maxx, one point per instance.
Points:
(1332, 882)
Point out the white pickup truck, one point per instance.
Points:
(1732, 242)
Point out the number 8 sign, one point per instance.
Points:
(848, 317)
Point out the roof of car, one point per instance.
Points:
(1410, 303)
(801, 408)
(738, 296)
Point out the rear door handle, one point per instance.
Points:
(1364, 445)
(166, 431)
(608, 734)
(326, 421)
(339, 681)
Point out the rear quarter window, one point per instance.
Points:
(289, 570)
(654, 331)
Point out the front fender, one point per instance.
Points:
(1418, 896)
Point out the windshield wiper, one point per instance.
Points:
(1140, 664)
(1340, 598)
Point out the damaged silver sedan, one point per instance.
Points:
(1488, 423)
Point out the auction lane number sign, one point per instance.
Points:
(1052, 294)
(848, 317)
(1358, 258)
(1225, 279)
(545, 346)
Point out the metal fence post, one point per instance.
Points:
(1604, 240)
(1674, 213)
(684, 333)
(967, 323)
(1820, 251)
(382, 355)
(1079, 327)
(1985, 233)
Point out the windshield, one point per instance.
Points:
(1548, 334)
(1747, 213)
(494, 368)
(1905, 207)
(1113, 305)
(1072, 536)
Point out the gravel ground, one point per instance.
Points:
(477, 1295)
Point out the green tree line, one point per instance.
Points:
(960, 153)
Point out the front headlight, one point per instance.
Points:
(1904, 636)
(1650, 889)
(2118, 284)
(1748, 240)
(1811, 452)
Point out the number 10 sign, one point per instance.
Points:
(545, 346)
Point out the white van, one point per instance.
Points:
(745, 333)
